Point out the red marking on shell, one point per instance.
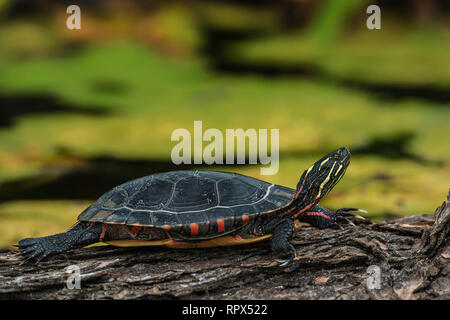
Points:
(238, 237)
(194, 228)
(166, 227)
(318, 214)
(245, 218)
(220, 225)
(135, 230)
(103, 232)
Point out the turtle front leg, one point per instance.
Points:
(282, 231)
(80, 235)
(322, 218)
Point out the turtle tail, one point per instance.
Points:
(80, 235)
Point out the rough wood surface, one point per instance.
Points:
(410, 255)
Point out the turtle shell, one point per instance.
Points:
(191, 203)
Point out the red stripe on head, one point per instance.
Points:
(245, 218)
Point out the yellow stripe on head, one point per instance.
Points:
(324, 161)
(310, 168)
(337, 171)
(325, 181)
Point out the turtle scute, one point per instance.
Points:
(151, 194)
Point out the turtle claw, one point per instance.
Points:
(343, 213)
(26, 252)
(284, 262)
(27, 259)
(347, 221)
(33, 248)
(346, 212)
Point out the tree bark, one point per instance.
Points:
(406, 258)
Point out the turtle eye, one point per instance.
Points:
(336, 156)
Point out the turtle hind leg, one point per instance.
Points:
(80, 235)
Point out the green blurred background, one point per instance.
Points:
(84, 110)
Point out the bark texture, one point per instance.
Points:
(405, 258)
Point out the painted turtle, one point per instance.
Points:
(197, 209)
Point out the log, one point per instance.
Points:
(406, 258)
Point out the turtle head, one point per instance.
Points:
(321, 177)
